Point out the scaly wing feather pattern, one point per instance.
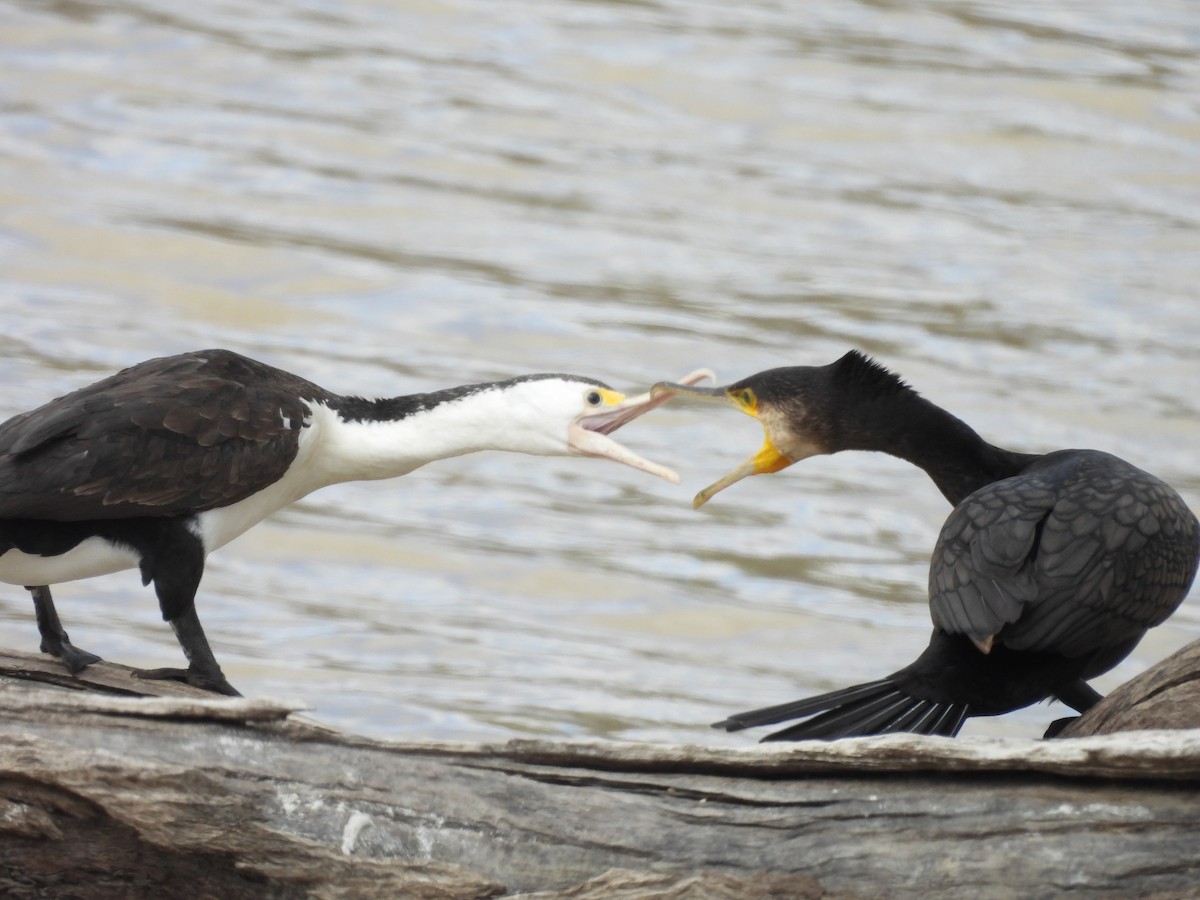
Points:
(1079, 552)
(169, 436)
(982, 576)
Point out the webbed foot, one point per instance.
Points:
(213, 681)
(1058, 725)
(72, 657)
(54, 637)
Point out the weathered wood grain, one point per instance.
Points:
(112, 795)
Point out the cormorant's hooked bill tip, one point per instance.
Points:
(689, 389)
(589, 435)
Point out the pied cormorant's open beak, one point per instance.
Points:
(589, 434)
(768, 459)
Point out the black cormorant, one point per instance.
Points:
(1047, 573)
(157, 466)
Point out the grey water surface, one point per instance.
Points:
(999, 201)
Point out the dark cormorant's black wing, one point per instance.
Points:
(1079, 552)
(169, 436)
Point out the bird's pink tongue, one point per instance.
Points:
(589, 437)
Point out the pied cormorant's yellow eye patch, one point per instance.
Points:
(603, 397)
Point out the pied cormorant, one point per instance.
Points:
(157, 466)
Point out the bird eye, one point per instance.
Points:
(746, 397)
(593, 398)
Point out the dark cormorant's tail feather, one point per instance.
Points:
(877, 707)
(935, 693)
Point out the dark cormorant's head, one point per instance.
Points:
(804, 410)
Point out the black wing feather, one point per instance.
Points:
(981, 576)
(169, 436)
(1079, 552)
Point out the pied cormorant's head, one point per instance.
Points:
(573, 415)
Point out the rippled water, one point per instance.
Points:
(1002, 203)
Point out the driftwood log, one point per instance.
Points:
(105, 794)
(1166, 695)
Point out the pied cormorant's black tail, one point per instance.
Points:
(877, 707)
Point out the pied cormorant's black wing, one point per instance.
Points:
(1081, 551)
(169, 436)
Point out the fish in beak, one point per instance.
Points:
(589, 434)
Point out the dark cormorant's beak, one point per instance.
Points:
(589, 435)
(768, 459)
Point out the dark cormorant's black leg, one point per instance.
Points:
(1081, 697)
(173, 558)
(54, 638)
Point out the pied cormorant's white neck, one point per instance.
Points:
(352, 447)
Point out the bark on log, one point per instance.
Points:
(103, 795)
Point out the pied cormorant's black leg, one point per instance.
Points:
(54, 637)
(173, 558)
(203, 670)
